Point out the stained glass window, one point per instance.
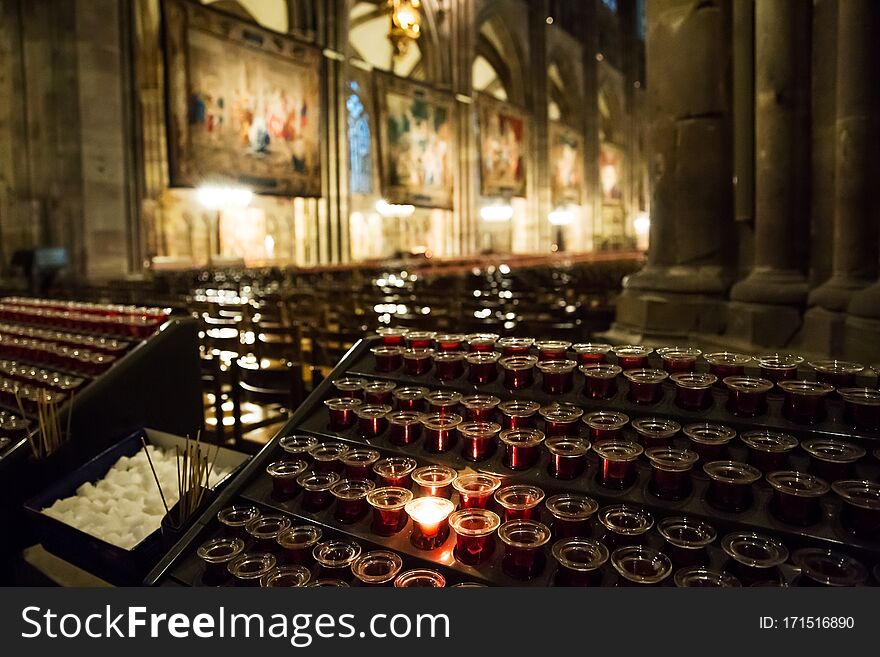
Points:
(359, 146)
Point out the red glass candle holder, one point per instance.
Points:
(430, 521)
(552, 349)
(639, 565)
(217, 554)
(769, 450)
(434, 480)
(632, 356)
(561, 419)
(325, 456)
(351, 499)
(730, 485)
(557, 375)
(747, 395)
(479, 408)
(832, 459)
(284, 475)
(449, 341)
(600, 381)
(297, 543)
(822, 567)
(379, 393)
(420, 578)
(235, 518)
(679, 359)
(693, 390)
(727, 363)
(591, 353)
(754, 557)
(779, 367)
(359, 463)
(440, 431)
(796, 496)
(655, 431)
(482, 341)
(448, 365)
(571, 514)
(377, 568)
(523, 540)
(334, 558)
(617, 463)
(520, 502)
(372, 419)
(521, 447)
(388, 505)
(671, 472)
(443, 402)
(580, 561)
(482, 366)
(417, 362)
(519, 371)
(475, 490)
(392, 336)
(837, 373)
(264, 531)
(420, 339)
(687, 540)
(350, 387)
(515, 346)
(605, 425)
(473, 529)
(804, 401)
(341, 410)
(478, 439)
(248, 569)
(700, 576)
(645, 386)
(709, 440)
(316, 489)
(624, 524)
(860, 514)
(297, 446)
(518, 414)
(395, 471)
(388, 359)
(861, 408)
(568, 456)
(405, 427)
(410, 398)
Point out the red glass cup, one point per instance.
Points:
(341, 410)
(335, 557)
(552, 349)
(639, 565)
(350, 387)
(297, 543)
(377, 568)
(645, 386)
(420, 339)
(823, 567)
(284, 478)
(217, 554)
(557, 375)
(730, 485)
(671, 472)
(655, 431)
(561, 419)
(832, 459)
(632, 356)
(747, 395)
(473, 529)
(617, 463)
(410, 398)
(580, 561)
(443, 402)
(479, 408)
(754, 557)
(624, 524)
(420, 578)
(796, 496)
(372, 419)
(359, 463)
(591, 353)
(837, 373)
(449, 341)
(440, 431)
(522, 447)
(701, 576)
(478, 439)
(519, 371)
(395, 471)
(861, 408)
(417, 362)
(520, 502)
(475, 490)
(351, 499)
(379, 393)
(727, 363)
(518, 414)
(264, 531)
(687, 540)
(605, 425)
(571, 514)
(430, 521)
(392, 336)
(523, 540)
(679, 359)
(448, 365)
(482, 341)
(388, 359)
(568, 456)
(769, 450)
(434, 480)
(482, 366)
(515, 346)
(296, 447)
(325, 456)
(804, 401)
(316, 489)
(248, 569)
(709, 440)
(860, 514)
(600, 381)
(779, 367)
(405, 427)
(389, 516)
(693, 390)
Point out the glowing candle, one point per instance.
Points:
(430, 518)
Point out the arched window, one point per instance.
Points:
(359, 144)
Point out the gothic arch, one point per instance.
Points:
(502, 48)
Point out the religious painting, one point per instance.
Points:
(566, 164)
(611, 172)
(417, 139)
(503, 146)
(244, 103)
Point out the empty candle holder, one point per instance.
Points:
(388, 359)
(395, 471)
(605, 425)
(568, 456)
(389, 516)
(521, 447)
(580, 561)
(430, 521)
(832, 459)
(265, 530)
(671, 472)
(747, 395)
(327, 583)
(655, 431)
(600, 380)
(515, 346)
(796, 496)
(478, 439)
(632, 356)
(804, 401)
(860, 514)
(473, 529)
(420, 578)
(443, 402)
(350, 386)
(823, 567)
(520, 502)
(392, 336)
(482, 366)
(316, 489)
(448, 365)
(334, 558)
(235, 519)
(861, 408)
(379, 393)
(475, 490)
(284, 478)
(449, 341)
(409, 398)
(286, 577)
(523, 540)
(377, 568)
(482, 341)
(519, 371)
(693, 390)
(297, 447)
(730, 485)
(687, 540)
(518, 414)
(571, 514)
(440, 431)
(591, 353)
(679, 359)
(557, 375)
(297, 543)
(769, 450)
(325, 456)
(341, 411)
(479, 408)
(727, 363)
(709, 440)
(645, 386)
(837, 373)
(417, 362)
(624, 524)
(561, 419)
(249, 569)
(359, 463)
(639, 565)
(405, 427)
(420, 339)
(434, 480)
(217, 554)
(617, 463)
(779, 367)
(351, 499)
(700, 576)
(754, 557)
(552, 349)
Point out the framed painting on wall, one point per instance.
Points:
(611, 172)
(566, 164)
(503, 147)
(244, 103)
(417, 142)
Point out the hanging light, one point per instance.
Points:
(406, 24)
(216, 197)
(496, 212)
(561, 216)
